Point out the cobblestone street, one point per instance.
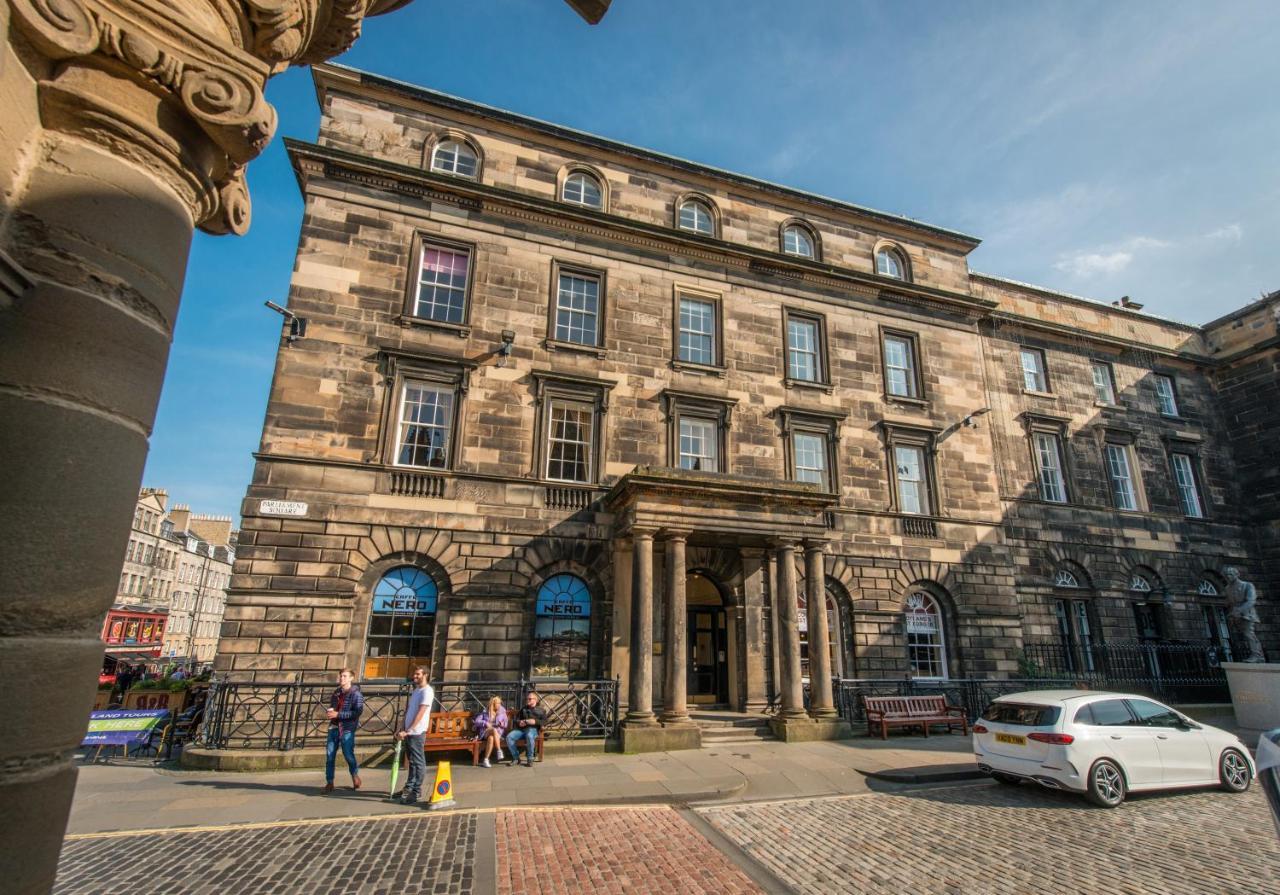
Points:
(972, 839)
(988, 839)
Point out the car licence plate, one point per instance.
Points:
(1012, 738)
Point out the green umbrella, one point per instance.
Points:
(395, 768)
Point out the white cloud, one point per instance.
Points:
(1109, 259)
(1231, 232)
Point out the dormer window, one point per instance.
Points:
(695, 215)
(890, 263)
(455, 157)
(798, 241)
(581, 188)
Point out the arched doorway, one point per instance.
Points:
(708, 674)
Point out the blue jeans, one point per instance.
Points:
(417, 766)
(530, 737)
(347, 739)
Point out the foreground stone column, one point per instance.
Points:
(775, 632)
(821, 703)
(675, 693)
(124, 125)
(640, 703)
(792, 689)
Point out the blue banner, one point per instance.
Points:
(122, 727)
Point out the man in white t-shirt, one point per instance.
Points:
(416, 719)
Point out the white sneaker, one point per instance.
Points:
(484, 762)
(500, 755)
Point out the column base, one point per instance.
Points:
(807, 730)
(824, 714)
(665, 738)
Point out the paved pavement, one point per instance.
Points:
(800, 818)
(986, 839)
(637, 851)
(136, 795)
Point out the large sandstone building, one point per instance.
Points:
(569, 408)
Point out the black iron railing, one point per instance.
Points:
(971, 694)
(282, 716)
(1173, 672)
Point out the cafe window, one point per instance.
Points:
(562, 629)
(402, 622)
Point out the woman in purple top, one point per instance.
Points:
(491, 727)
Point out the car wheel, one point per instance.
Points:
(1106, 784)
(1008, 779)
(1233, 771)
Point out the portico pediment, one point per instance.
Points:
(711, 503)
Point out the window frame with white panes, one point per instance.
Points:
(577, 186)
(792, 238)
(901, 442)
(708, 420)
(417, 283)
(443, 375)
(710, 312)
(1184, 468)
(905, 363)
(811, 440)
(455, 166)
(569, 394)
(562, 316)
(1166, 389)
(1040, 384)
(817, 325)
(697, 202)
(1112, 448)
(1104, 391)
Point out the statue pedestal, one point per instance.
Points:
(1255, 694)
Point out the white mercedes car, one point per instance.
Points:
(1105, 745)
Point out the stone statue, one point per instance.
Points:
(1242, 614)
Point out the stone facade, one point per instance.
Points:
(958, 570)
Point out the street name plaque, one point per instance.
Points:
(282, 508)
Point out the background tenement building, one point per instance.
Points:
(553, 386)
(173, 583)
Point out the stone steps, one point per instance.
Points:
(731, 728)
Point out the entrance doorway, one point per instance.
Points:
(708, 675)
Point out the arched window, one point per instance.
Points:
(926, 641)
(402, 623)
(581, 188)
(696, 215)
(1065, 578)
(834, 635)
(562, 629)
(796, 240)
(1206, 588)
(1139, 583)
(890, 263)
(455, 157)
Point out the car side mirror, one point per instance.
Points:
(1187, 724)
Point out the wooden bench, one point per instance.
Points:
(454, 731)
(912, 711)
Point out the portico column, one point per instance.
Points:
(675, 695)
(775, 636)
(792, 689)
(821, 703)
(640, 703)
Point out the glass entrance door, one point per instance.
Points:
(708, 657)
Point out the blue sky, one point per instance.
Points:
(1100, 148)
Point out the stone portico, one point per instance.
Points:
(766, 528)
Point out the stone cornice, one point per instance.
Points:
(361, 82)
(1001, 319)
(313, 161)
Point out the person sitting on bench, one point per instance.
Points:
(528, 722)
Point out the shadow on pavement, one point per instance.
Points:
(313, 789)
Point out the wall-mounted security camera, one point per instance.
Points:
(297, 325)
